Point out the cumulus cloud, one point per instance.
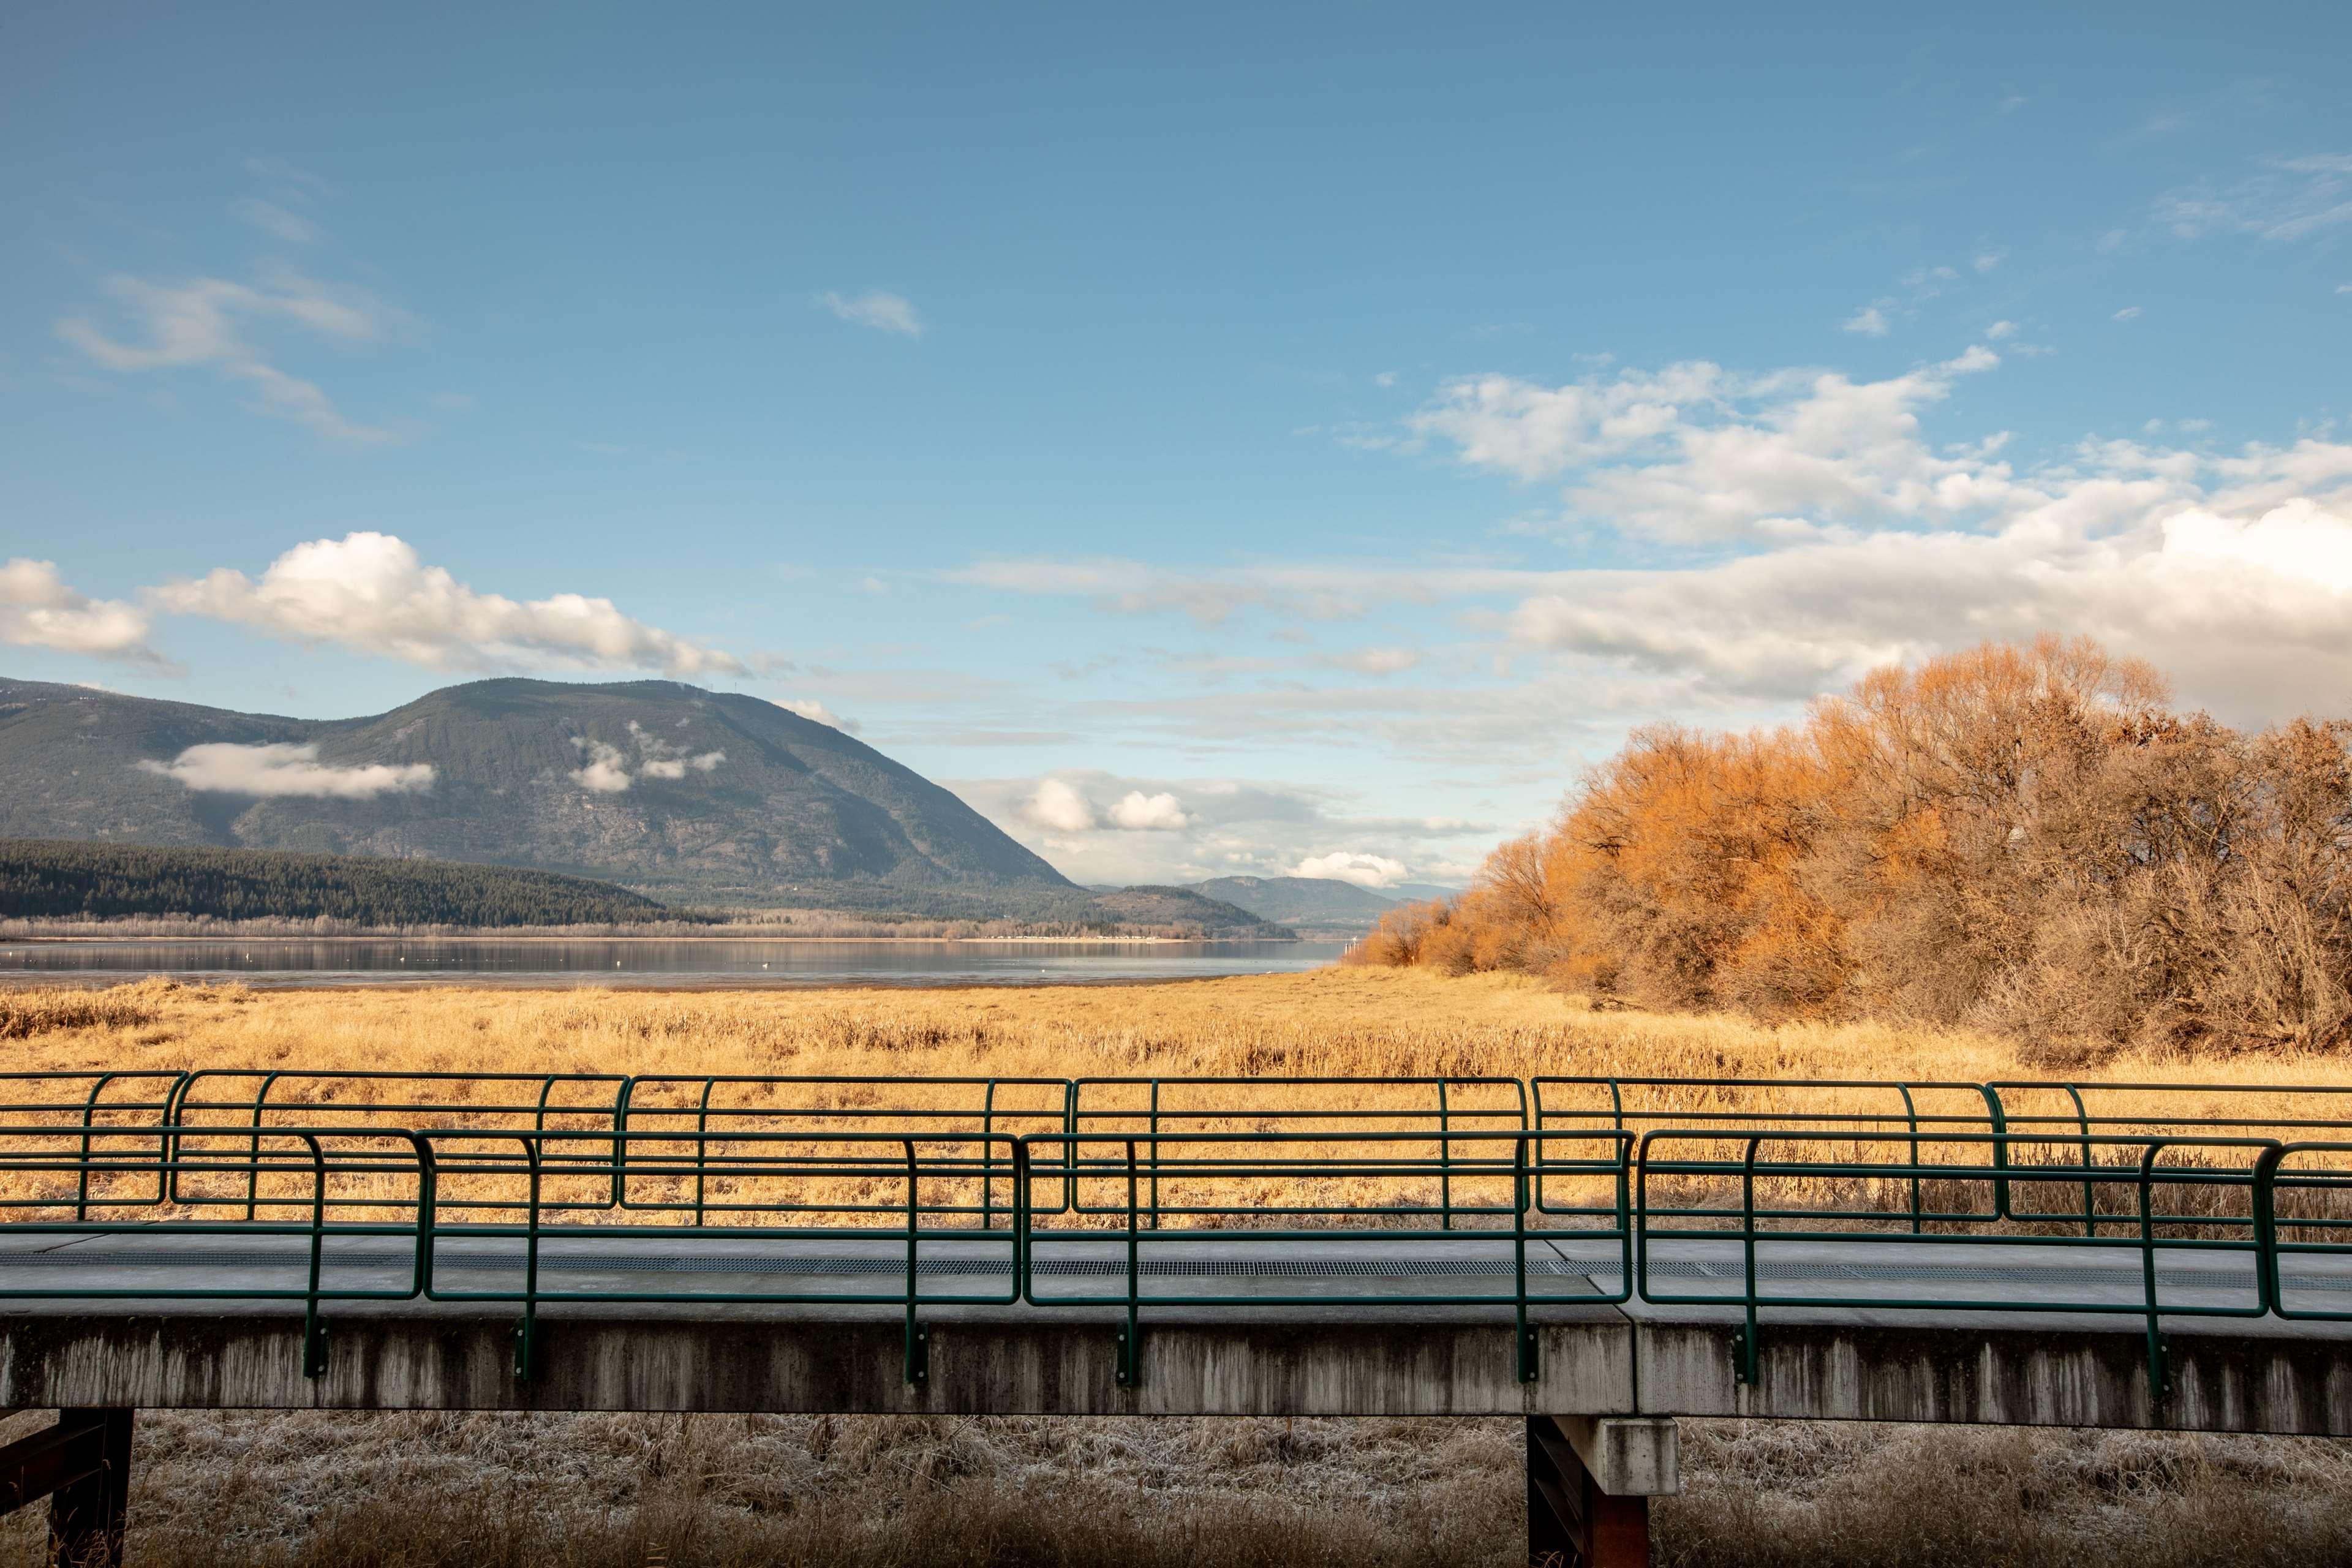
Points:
(1189, 830)
(209, 322)
(1870, 322)
(607, 770)
(282, 769)
(1694, 453)
(1139, 813)
(2246, 609)
(1058, 807)
(371, 593)
(1374, 871)
(39, 610)
(660, 760)
(883, 311)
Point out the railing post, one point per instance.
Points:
(1130, 1338)
(1911, 1114)
(2090, 1193)
(1750, 1355)
(526, 1356)
(988, 1158)
(253, 1176)
(1530, 1369)
(2160, 1371)
(1997, 1119)
(2266, 1241)
(314, 1331)
(1155, 1153)
(88, 1117)
(702, 1147)
(1445, 1160)
(1023, 1217)
(919, 1338)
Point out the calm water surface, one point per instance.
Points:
(395, 961)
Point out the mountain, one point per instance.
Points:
(667, 788)
(1312, 902)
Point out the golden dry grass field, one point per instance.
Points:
(629, 1490)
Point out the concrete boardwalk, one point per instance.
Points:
(1354, 1324)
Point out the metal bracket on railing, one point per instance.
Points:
(1744, 1354)
(1131, 1353)
(526, 1343)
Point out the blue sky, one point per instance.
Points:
(1210, 439)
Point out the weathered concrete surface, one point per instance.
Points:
(2224, 1379)
(977, 1365)
(1627, 1455)
(1204, 1362)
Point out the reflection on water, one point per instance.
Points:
(379, 961)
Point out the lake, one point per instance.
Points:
(373, 961)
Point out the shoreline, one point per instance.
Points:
(481, 936)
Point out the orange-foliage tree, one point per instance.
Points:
(2030, 839)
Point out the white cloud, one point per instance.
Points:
(883, 311)
(282, 769)
(664, 761)
(275, 221)
(2291, 199)
(1990, 260)
(371, 593)
(607, 770)
(2245, 608)
(1140, 813)
(294, 184)
(1378, 660)
(2000, 330)
(39, 610)
(1188, 830)
(2128, 313)
(202, 323)
(1694, 453)
(816, 712)
(1058, 805)
(1870, 322)
(1373, 871)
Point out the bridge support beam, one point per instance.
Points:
(82, 1465)
(1589, 1482)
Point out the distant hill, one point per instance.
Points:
(56, 880)
(718, 795)
(1314, 903)
(712, 799)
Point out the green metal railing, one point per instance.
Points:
(1135, 1195)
